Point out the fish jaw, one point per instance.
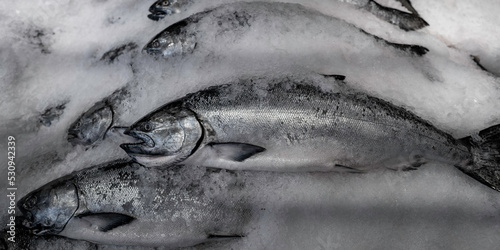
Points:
(145, 146)
(162, 8)
(156, 16)
(144, 154)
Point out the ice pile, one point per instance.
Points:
(75, 54)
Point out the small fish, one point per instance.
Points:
(284, 124)
(92, 125)
(123, 203)
(95, 123)
(406, 21)
(229, 23)
(174, 40)
(162, 8)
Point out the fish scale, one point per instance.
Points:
(291, 124)
(125, 203)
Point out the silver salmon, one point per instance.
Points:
(230, 23)
(123, 203)
(285, 124)
(93, 125)
(406, 21)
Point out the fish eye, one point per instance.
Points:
(147, 127)
(156, 44)
(30, 203)
(165, 3)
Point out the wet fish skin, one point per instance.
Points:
(92, 125)
(233, 21)
(406, 21)
(287, 125)
(123, 203)
(290, 124)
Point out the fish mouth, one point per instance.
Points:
(158, 12)
(152, 51)
(138, 148)
(33, 229)
(73, 136)
(157, 15)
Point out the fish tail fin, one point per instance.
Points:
(405, 21)
(485, 149)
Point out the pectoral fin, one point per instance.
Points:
(107, 221)
(235, 151)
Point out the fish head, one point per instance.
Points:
(162, 8)
(91, 126)
(171, 133)
(48, 209)
(173, 41)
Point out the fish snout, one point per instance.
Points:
(142, 145)
(152, 50)
(156, 16)
(142, 137)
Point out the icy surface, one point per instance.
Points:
(50, 55)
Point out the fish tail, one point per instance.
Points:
(405, 21)
(485, 149)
